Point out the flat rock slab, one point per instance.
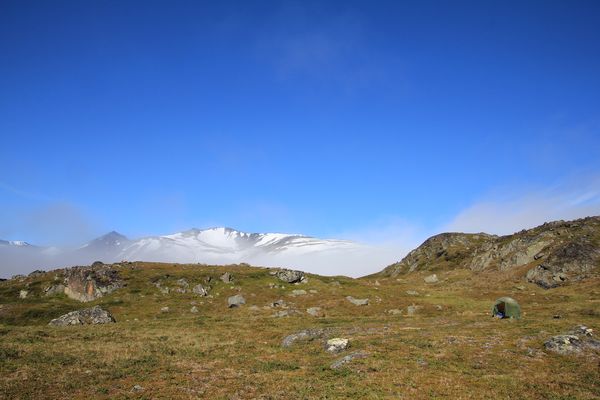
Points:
(346, 359)
(357, 302)
(87, 316)
(304, 335)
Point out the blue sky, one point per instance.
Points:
(326, 118)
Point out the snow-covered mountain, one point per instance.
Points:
(216, 245)
(211, 246)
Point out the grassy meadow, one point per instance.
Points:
(450, 348)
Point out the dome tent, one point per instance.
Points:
(506, 307)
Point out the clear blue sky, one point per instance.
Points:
(317, 117)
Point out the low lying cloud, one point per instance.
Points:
(508, 214)
(382, 243)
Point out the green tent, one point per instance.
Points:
(507, 308)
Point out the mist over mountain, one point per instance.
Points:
(219, 245)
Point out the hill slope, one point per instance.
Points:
(549, 255)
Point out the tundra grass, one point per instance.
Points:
(451, 347)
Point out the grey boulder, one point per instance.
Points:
(88, 316)
(236, 301)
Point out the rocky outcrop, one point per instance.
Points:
(90, 283)
(92, 316)
(555, 252)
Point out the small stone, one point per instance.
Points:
(313, 291)
(439, 307)
(336, 345)
(412, 293)
(23, 294)
(164, 309)
(431, 279)
(357, 302)
(298, 292)
(346, 359)
(315, 311)
(194, 310)
(411, 310)
(137, 388)
(394, 311)
(236, 301)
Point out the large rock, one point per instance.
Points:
(431, 279)
(236, 301)
(357, 302)
(304, 335)
(336, 345)
(90, 283)
(226, 277)
(201, 290)
(289, 276)
(546, 277)
(93, 316)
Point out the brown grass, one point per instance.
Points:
(220, 353)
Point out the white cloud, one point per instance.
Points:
(510, 213)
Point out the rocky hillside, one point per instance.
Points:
(549, 255)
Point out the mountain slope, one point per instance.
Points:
(551, 254)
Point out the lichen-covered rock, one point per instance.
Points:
(336, 345)
(289, 276)
(226, 277)
(431, 279)
(236, 301)
(357, 302)
(304, 335)
(93, 316)
(564, 344)
(90, 283)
